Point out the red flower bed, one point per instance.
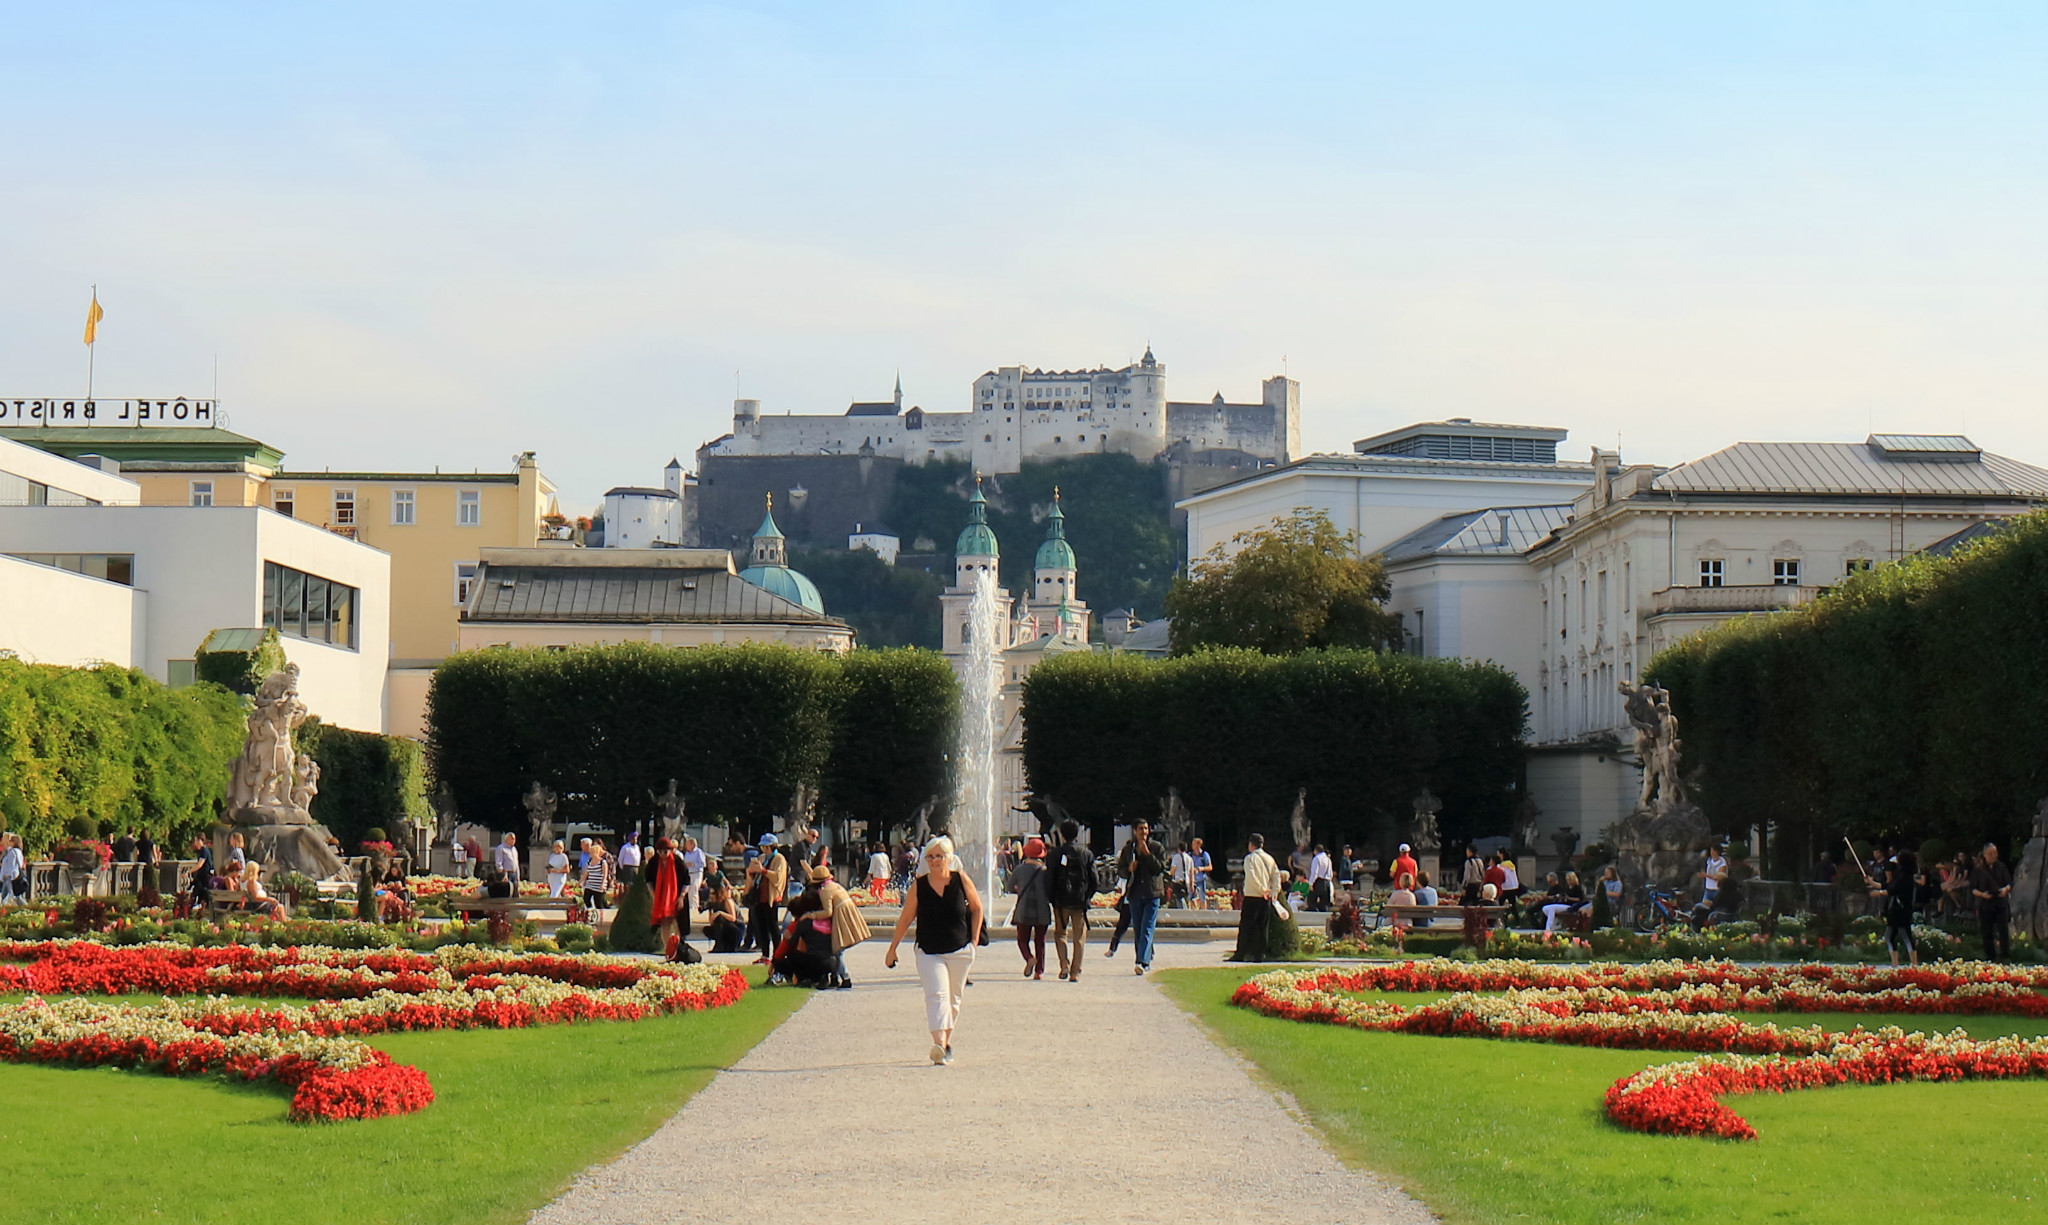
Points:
(312, 1049)
(1677, 1006)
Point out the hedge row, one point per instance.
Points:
(1239, 733)
(738, 727)
(367, 781)
(111, 745)
(1910, 700)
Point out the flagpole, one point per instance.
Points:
(92, 350)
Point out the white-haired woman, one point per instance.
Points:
(947, 910)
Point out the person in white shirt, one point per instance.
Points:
(558, 868)
(505, 857)
(1255, 911)
(1181, 869)
(694, 856)
(13, 870)
(878, 870)
(629, 858)
(1321, 874)
(459, 856)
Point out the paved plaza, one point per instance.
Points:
(1097, 1101)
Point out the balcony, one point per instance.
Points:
(341, 529)
(1728, 601)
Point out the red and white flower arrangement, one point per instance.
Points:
(1683, 1006)
(310, 1048)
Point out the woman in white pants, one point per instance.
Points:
(947, 910)
(558, 868)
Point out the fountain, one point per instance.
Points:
(973, 826)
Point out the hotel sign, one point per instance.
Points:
(85, 411)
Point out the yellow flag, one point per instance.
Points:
(93, 315)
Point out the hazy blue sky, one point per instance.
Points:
(422, 234)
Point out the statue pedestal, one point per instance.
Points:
(1661, 846)
(282, 847)
(537, 862)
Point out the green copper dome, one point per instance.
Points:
(1056, 553)
(789, 584)
(977, 539)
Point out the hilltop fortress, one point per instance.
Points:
(1016, 415)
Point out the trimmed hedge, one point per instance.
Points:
(1912, 700)
(367, 781)
(738, 727)
(111, 745)
(1239, 732)
(241, 671)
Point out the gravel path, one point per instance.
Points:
(1098, 1101)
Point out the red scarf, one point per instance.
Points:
(665, 886)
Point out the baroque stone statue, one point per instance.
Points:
(1423, 836)
(1175, 821)
(2030, 880)
(668, 813)
(540, 813)
(1648, 707)
(307, 772)
(1298, 822)
(264, 774)
(445, 815)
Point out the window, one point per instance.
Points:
(302, 605)
(1603, 597)
(113, 567)
(202, 493)
(401, 507)
(1856, 565)
(1710, 572)
(465, 580)
(1785, 572)
(1626, 584)
(283, 501)
(345, 507)
(469, 510)
(179, 673)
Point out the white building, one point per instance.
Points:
(638, 517)
(876, 539)
(100, 578)
(1395, 483)
(1017, 414)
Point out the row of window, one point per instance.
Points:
(113, 567)
(469, 505)
(1785, 571)
(20, 491)
(307, 606)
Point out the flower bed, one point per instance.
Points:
(1683, 1006)
(311, 1048)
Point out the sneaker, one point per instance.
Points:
(775, 980)
(1137, 969)
(949, 1052)
(939, 1054)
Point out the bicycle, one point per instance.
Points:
(1658, 910)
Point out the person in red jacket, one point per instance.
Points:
(1404, 864)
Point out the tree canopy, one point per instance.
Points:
(1296, 585)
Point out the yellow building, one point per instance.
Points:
(434, 525)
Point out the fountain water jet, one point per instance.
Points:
(981, 693)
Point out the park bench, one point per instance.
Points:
(1453, 916)
(512, 907)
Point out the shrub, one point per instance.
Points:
(82, 827)
(633, 925)
(575, 937)
(368, 782)
(366, 899)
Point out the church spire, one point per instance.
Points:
(899, 389)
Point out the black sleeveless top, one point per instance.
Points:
(942, 917)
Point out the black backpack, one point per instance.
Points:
(1073, 878)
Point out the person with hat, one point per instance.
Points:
(1033, 913)
(1404, 864)
(835, 906)
(767, 882)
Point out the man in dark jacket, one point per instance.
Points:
(1143, 865)
(1991, 885)
(1072, 880)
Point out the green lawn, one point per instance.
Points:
(517, 1114)
(1486, 1131)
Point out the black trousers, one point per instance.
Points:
(1319, 895)
(1123, 922)
(1995, 921)
(726, 936)
(761, 921)
(1252, 922)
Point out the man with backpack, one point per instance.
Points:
(1072, 886)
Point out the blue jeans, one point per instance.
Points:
(1144, 917)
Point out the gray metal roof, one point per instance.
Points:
(629, 595)
(1844, 468)
(1981, 530)
(1504, 531)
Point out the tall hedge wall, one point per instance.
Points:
(111, 744)
(367, 781)
(1239, 732)
(738, 727)
(1910, 700)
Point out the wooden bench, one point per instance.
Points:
(1454, 915)
(510, 906)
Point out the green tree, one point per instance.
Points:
(887, 606)
(1294, 586)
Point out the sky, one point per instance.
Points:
(436, 234)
